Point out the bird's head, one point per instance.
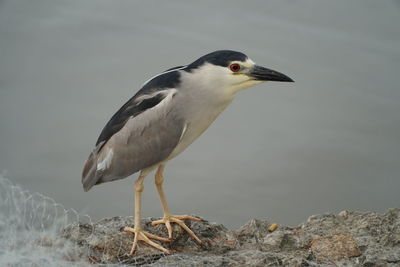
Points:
(232, 71)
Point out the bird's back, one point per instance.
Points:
(143, 132)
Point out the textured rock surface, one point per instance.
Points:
(349, 238)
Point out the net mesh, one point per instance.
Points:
(30, 224)
(32, 233)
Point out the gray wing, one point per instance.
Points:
(149, 96)
(141, 134)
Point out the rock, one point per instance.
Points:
(334, 247)
(350, 238)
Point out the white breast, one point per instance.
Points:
(195, 127)
(201, 102)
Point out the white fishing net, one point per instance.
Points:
(29, 228)
(32, 231)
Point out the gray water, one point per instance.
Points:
(282, 152)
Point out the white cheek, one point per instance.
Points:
(245, 84)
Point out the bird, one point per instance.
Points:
(169, 112)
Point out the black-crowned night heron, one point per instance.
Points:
(163, 118)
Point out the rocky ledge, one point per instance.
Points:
(350, 238)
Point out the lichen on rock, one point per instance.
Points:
(350, 238)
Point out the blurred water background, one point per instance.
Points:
(281, 152)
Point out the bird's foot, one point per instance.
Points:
(144, 236)
(178, 219)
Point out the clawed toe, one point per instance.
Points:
(141, 235)
(178, 219)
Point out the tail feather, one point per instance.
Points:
(90, 176)
(89, 173)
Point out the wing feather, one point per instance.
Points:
(132, 108)
(141, 134)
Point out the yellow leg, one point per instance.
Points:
(168, 218)
(141, 235)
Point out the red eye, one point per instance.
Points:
(234, 67)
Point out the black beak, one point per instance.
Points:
(264, 74)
